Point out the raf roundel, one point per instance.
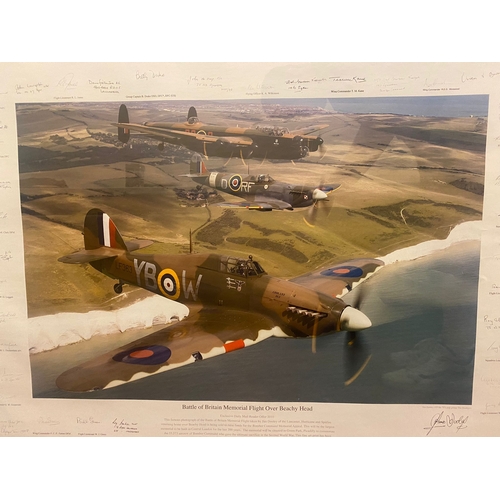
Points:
(169, 285)
(145, 355)
(344, 272)
(235, 182)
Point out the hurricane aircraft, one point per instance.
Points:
(225, 142)
(233, 304)
(260, 192)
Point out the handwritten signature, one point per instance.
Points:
(355, 79)
(492, 408)
(148, 74)
(494, 347)
(67, 81)
(7, 255)
(9, 377)
(85, 420)
(440, 420)
(48, 421)
(123, 425)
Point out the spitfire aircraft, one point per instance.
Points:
(225, 142)
(233, 304)
(261, 192)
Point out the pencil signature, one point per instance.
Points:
(67, 81)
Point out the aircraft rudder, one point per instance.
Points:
(100, 231)
(123, 133)
(197, 165)
(192, 113)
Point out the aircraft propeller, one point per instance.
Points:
(312, 213)
(322, 148)
(356, 352)
(314, 334)
(320, 194)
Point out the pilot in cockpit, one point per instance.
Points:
(264, 178)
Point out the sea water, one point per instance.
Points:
(420, 349)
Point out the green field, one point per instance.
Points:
(403, 180)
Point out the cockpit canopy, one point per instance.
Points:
(261, 178)
(240, 267)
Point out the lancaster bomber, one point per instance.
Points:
(261, 192)
(225, 142)
(233, 304)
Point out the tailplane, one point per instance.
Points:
(123, 133)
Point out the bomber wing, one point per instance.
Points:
(171, 135)
(162, 133)
(235, 140)
(341, 278)
(205, 334)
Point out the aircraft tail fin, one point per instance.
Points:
(102, 240)
(197, 166)
(123, 133)
(100, 231)
(192, 113)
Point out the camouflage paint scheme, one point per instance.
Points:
(233, 303)
(261, 192)
(225, 142)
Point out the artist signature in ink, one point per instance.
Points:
(440, 420)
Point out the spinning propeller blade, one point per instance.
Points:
(314, 335)
(356, 352)
(320, 194)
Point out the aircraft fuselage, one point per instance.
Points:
(228, 282)
(258, 186)
(268, 142)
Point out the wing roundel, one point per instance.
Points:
(201, 336)
(339, 279)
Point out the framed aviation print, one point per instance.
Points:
(250, 248)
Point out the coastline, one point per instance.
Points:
(466, 231)
(61, 329)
